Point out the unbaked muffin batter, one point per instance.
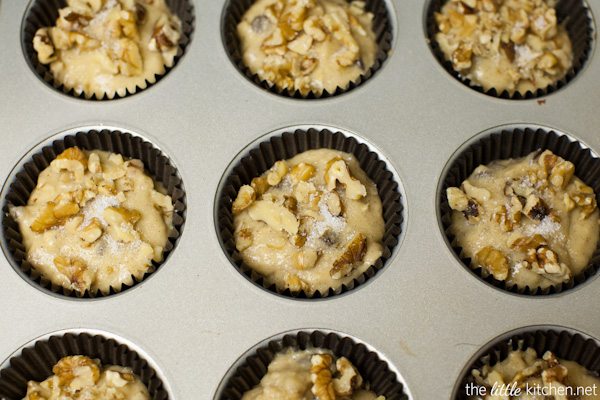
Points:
(310, 223)
(512, 45)
(526, 221)
(537, 378)
(93, 221)
(308, 45)
(109, 46)
(310, 374)
(83, 378)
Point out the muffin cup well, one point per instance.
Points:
(578, 22)
(235, 10)
(513, 143)
(43, 13)
(252, 367)
(25, 176)
(35, 362)
(284, 146)
(565, 344)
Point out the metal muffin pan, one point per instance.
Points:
(424, 312)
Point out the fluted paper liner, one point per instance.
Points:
(579, 25)
(43, 13)
(373, 369)
(155, 162)
(517, 143)
(566, 345)
(381, 27)
(285, 146)
(36, 362)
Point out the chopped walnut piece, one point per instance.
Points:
(73, 160)
(517, 241)
(305, 259)
(494, 261)
(320, 374)
(350, 378)
(338, 171)
(121, 223)
(536, 208)
(302, 172)
(294, 283)
(76, 271)
(274, 215)
(278, 171)
(334, 204)
(561, 174)
(76, 371)
(44, 46)
(166, 34)
(245, 197)
(260, 185)
(353, 253)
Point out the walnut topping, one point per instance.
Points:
(166, 34)
(44, 46)
(76, 271)
(246, 196)
(320, 374)
(121, 223)
(305, 258)
(353, 253)
(338, 171)
(350, 378)
(73, 160)
(535, 208)
(545, 262)
(274, 215)
(294, 283)
(334, 204)
(517, 241)
(278, 171)
(521, 40)
(494, 261)
(77, 371)
(302, 172)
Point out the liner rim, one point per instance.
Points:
(255, 357)
(157, 383)
(223, 205)
(231, 47)
(464, 150)
(582, 59)
(178, 196)
(42, 71)
(552, 336)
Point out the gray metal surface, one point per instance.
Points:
(196, 315)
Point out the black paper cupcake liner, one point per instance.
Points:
(579, 25)
(515, 143)
(156, 163)
(285, 146)
(43, 13)
(566, 345)
(383, 381)
(382, 28)
(35, 362)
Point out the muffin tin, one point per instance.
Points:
(424, 312)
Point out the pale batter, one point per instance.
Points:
(94, 221)
(308, 45)
(310, 223)
(109, 47)
(526, 221)
(546, 378)
(512, 45)
(310, 374)
(83, 378)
